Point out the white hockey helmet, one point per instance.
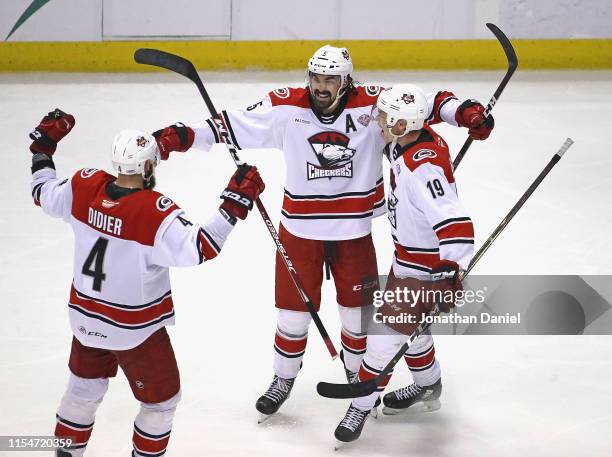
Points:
(131, 150)
(404, 101)
(330, 60)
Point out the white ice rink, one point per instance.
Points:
(503, 396)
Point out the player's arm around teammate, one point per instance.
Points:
(126, 236)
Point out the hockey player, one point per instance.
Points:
(126, 236)
(334, 187)
(434, 240)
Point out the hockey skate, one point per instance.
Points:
(427, 397)
(349, 428)
(275, 396)
(353, 377)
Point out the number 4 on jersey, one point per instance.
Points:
(96, 258)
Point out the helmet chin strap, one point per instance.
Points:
(339, 95)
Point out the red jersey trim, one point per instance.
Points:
(295, 205)
(293, 96)
(135, 217)
(363, 96)
(123, 316)
(434, 152)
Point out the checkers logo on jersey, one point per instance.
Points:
(334, 156)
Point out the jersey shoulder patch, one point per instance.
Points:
(430, 149)
(292, 96)
(363, 96)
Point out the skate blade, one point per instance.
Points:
(263, 417)
(341, 445)
(374, 413)
(423, 407)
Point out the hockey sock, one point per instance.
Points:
(421, 360)
(152, 427)
(290, 342)
(352, 337)
(76, 413)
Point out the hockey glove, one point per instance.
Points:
(445, 275)
(470, 114)
(53, 127)
(242, 190)
(178, 137)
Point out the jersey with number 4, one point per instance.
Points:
(123, 247)
(334, 184)
(428, 223)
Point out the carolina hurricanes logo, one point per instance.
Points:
(334, 155)
(88, 172)
(141, 141)
(423, 154)
(163, 203)
(408, 98)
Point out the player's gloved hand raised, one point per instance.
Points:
(470, 114)
(445, 275)
(53, 127)
(242, 190)
(177, 137)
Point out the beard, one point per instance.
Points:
(322, 104)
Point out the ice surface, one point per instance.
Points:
(503, 396)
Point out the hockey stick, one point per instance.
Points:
(363, 388)
(184, 67)
(512, 64)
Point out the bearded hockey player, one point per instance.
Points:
(126, 237)
(333, 189)
(434, 240)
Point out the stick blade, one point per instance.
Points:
(172, 62)
(359, 389)
(506, 45)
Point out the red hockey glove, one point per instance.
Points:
(53, 127)
(178, 137)
(446, 280)
(242, 190)
(470, 114)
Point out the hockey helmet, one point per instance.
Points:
(404, 101)
(131, 150)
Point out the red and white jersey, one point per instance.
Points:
(428, 221)
(123, 247)
(334, 184)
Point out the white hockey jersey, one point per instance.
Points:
(428, 223)
(123, 247)
(334, 184)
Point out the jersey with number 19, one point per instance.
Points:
(428, 222)
(123, 247)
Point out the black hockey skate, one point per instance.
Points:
(275, 396)
(428, 398)
(349, 428)
(353, 377)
